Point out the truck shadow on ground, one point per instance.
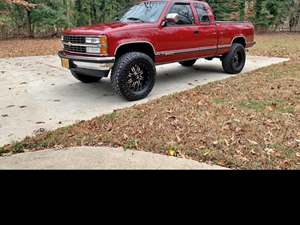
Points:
(182, 73)
(168, 76)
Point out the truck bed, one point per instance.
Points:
(229, 30)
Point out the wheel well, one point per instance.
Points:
(136, 47)
(240, 40)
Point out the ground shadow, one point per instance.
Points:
(166, 74)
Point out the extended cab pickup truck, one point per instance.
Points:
(151, 33)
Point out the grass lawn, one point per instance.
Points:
(247, 122)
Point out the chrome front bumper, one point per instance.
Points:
(88, 62)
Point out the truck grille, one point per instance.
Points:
(77, 44)
(80, 49)
(74, 39)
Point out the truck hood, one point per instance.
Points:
(104, 28)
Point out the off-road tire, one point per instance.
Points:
(229, 60)
(85, 79)
(121, 70)
(188, 63)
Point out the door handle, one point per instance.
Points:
(196, 32)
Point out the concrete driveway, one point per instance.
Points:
(36, 93)
(90, 158)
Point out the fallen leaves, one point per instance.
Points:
(39, 131)
(297, 108)
(109, 127)
(252, 142)
(269, 151)
(277, 45)
(28, 47)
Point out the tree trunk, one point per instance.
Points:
(29, 24)
(242, 7)
(93, 12)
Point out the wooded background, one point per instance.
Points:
(48, 18)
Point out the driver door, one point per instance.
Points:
(178, 40)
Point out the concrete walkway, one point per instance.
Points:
(36, 93)
(99, 158)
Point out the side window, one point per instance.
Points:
(185, 14)
(202, 13)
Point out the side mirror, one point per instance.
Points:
(172, 18)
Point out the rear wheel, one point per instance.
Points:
(133, 76)
(234, 61)
(84, 78)
(188, 63)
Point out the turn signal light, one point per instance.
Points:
(104, 45)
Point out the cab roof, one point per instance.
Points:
(176, 1)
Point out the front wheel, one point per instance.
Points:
(84, 78)
(133, 76)
(234, 62)
(188, 63)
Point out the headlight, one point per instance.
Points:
(100, 43)
(94, 50)
(89, 40)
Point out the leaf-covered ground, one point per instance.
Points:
(29, 47)
(277, 44)
(246, 122)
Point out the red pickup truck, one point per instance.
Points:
(151, 33)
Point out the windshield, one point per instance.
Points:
(148, 12)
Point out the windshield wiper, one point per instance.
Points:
(135, 19)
